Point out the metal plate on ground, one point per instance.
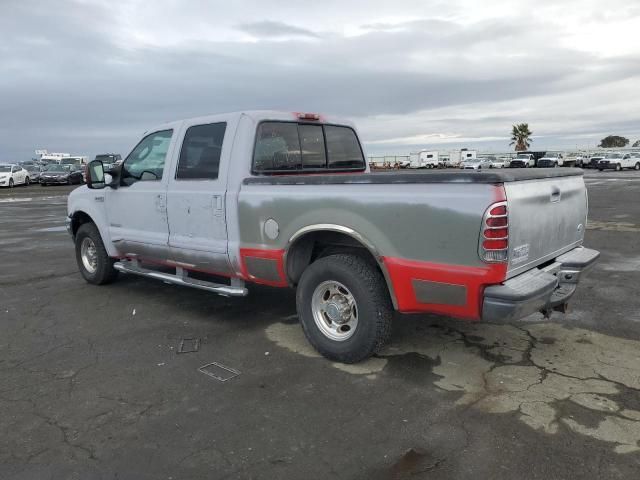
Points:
(218, 371)
(188, 345)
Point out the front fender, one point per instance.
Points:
(83, 200)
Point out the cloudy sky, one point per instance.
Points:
(87, 76)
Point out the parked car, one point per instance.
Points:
(56, 174)
(555, 159)
(34, 172)
(12, 175)
(76, 161)
(476, 164)
(618, 161)
(287, 200)
(523, 160)
(497, 162)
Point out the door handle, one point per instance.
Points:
(161, 204)
(217, 205)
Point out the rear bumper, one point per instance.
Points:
(539, 289)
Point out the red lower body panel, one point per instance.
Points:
(473, 279)
(274, 256)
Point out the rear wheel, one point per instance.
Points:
(344, 307)
(636, 166)
(93, 260)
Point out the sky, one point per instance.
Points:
(90, 76)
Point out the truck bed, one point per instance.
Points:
(492, 176)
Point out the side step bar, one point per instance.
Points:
(132, 266)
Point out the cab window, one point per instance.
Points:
(290, 147)
(200, 153)
(146, 161)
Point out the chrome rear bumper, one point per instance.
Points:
(539, 289)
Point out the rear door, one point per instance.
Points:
(196, 197)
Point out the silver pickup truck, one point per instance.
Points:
(286, 200)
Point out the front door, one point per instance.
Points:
(137, 209)
(196, 199)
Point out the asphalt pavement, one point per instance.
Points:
(93, 385)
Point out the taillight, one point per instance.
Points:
(494, 240)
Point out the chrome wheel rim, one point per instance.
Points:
(334, 310)
(89, 255)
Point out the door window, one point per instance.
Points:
(200, 153)
(146, 161)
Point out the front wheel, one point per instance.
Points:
(344, 307)
(27, 181)
(618, 167)
(93, 260)
(11, 183)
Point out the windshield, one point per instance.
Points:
(5, 168)
(58, 168)
(105, 158)
(522, 155)
(615, 155)
(32, 168)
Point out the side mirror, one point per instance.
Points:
(95, 175)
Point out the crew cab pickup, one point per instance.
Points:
(287, 200)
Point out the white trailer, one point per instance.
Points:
(47, 158)
(456, 157)
(424, 159)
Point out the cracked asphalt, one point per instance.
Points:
(93, 387)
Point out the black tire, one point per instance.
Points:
(618, 167)
(636, 166)
(104, 272)
(43, 184)
(600, 169)
(27, 181)
(11, 183)
(555, 165)
(374, 309)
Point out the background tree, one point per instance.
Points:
(613, 141)
(636, 144)
(521, 136)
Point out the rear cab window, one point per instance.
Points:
(296, 147)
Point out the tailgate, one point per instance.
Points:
(547, 217)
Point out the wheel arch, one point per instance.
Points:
(81, 216)
(316, 241)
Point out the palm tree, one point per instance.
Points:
(520, 136)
